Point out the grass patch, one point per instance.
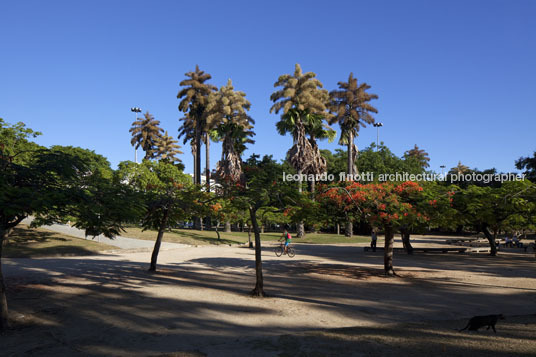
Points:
(194, 237)
(25, 242)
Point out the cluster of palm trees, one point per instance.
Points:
(307, 111)
(147, 133)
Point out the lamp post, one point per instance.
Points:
(136, 110)
(377, 125)
(442, 170)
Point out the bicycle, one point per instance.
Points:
(280, 250)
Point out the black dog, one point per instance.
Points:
(480, 321)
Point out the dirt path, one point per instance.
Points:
(199, 301)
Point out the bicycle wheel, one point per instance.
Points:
(278, 251)
(291, 252)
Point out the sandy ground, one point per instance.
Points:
(198, 303)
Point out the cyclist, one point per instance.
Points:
(287, 237)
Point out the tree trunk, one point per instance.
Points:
(250, 244)
(262, 229)
(198, 223)
(158, 242)
(405, 234)
(491, 240)
(350, 164)
(301, 228)
(338, 229)
(388, 251)
(207, 162)
(208, 222)
(4, 323)
(227, 227)
(259, 284)
(349, 229)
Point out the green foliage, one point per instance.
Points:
(510, 206)
(166, 192)
(529, 165)
(15, 145)
(384, 161)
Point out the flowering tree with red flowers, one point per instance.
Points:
(386, 205)
(434, 202)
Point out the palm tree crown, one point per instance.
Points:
(168, 149)
(352, 110)
(146, 132)
(227, 115)
(419, 154)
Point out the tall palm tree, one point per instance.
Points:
(420, 155)
(227, 114)
(193, 97)
(168, 149)
(300, 98)
(459, 169)
(316, 128)
(187, 130)
(351, 109)
(146, 132)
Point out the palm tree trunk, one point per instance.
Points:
(388, 251)
(4, 324)
(301, 229)
(158, 242)
(350, 164)
(259, 284)
(208, 222)
(349, 230)
(197, 220)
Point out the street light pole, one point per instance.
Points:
(136, 110)
(377, 125)
(442, 170)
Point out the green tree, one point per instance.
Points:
(169, 197)
(529, 165)
(14, 143)
(146, 132)
(54, 184)
(301, 100)
(261, 189)
(489, 209)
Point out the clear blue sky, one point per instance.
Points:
(457, 78)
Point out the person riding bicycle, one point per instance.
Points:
(287, 237)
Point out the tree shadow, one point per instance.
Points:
(105, 305)
(24, 242)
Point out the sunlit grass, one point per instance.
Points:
(25, 242)
(195, 237)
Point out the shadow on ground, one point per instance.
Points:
(108, 306)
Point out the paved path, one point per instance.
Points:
(119, 241)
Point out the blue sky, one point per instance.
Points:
(456, 78)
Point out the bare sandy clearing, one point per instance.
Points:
(198, 302)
